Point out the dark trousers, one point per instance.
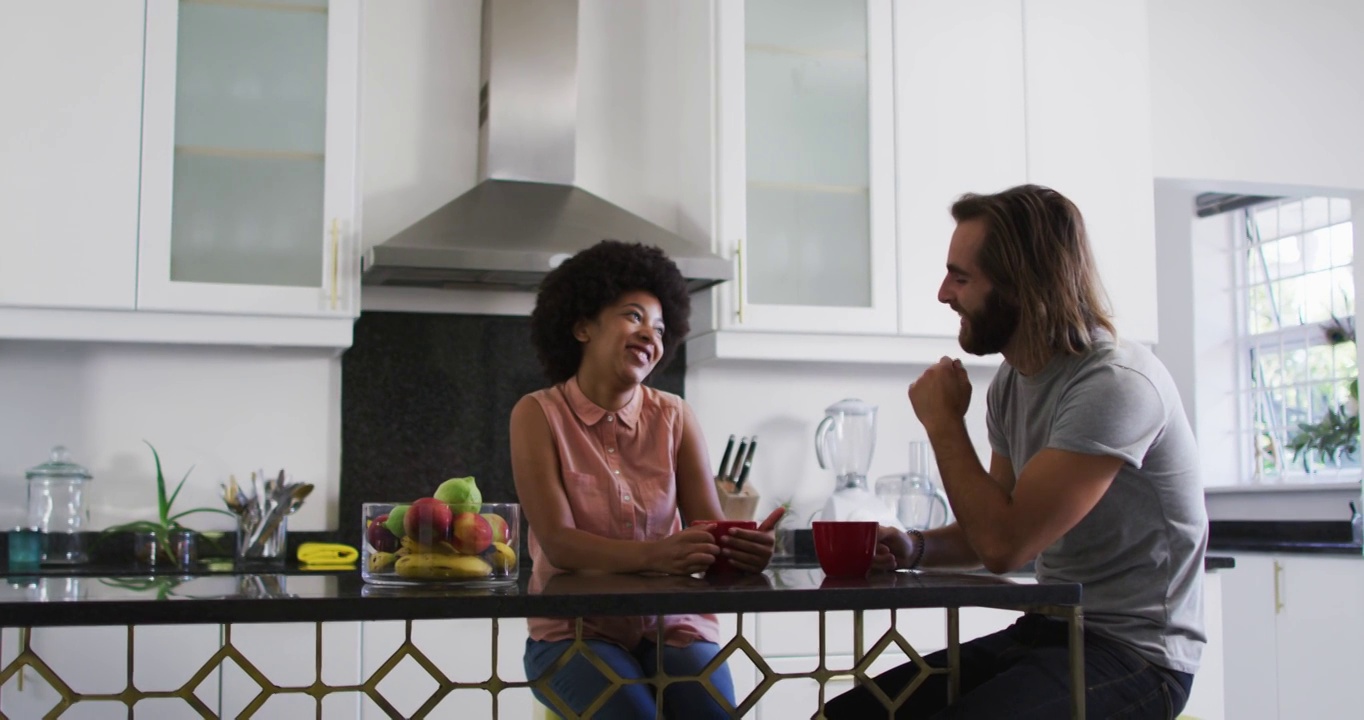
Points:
(1023, 672)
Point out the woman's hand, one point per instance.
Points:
(894, 548)
(683, 553)
(751, 550)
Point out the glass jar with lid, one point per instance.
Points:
(57, 507)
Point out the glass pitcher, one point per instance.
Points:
(915, 497)
(57, 507)
(845, 440)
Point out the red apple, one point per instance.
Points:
(428, 521)
(501, 532)
(471, 533)
(380, 537)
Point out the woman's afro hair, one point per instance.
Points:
(593, 279)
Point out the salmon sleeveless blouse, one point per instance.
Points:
(619, 473)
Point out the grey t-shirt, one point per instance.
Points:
(1139, 552)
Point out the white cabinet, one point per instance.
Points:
(71, 80)
(959, 127)
(1292, 636)
(249, 147)
(806, 178)
(1089, 137)
(182, 171)
(973, 96)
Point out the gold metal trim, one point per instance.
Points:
(213, 151)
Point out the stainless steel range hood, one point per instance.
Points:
(527, 214)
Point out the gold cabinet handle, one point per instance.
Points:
(1278, 599)
(739, 257)
(336, 260)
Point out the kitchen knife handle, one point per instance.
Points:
(724, 459)
(748, 465)
(738, 460)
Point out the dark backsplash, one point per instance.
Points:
(427, 397)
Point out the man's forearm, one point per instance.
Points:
(978, 501)
(946, 547)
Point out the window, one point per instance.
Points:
(1295, 304)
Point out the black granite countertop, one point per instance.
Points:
(343, 596)
(1284, 536)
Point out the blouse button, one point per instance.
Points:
(610, 450)
(610, 418)
(617, 472)
(629, 525)
(626, 498)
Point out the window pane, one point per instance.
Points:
(1289, 294)
(1340, 210)
(1266, 221)
(1260, 311)
(1315, 213)
(1316, 250)
(1290, 218)
(1343, 243)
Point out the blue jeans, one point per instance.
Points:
(579, 682)
(1023, 672)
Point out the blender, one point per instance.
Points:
(844, 442)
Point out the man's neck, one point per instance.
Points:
(1014, 357)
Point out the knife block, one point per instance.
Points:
(736, 506)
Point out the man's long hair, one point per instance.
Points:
(1036, 255)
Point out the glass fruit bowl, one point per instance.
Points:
(430, 542)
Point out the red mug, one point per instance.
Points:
(719, 529)
(845, 547)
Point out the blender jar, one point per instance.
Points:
(57, 507)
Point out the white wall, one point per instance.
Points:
(225, 411)
(1258, 91)
(782, 403)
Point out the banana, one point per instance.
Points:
(433, 566)
(502, 557)
(380, 561)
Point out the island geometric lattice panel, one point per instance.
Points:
(317, 670)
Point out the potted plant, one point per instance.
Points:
(165, 540)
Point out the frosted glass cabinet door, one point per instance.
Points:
(806, 166)
(249, 143)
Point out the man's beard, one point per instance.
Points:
(988, 331)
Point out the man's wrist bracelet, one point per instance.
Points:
(918, 538)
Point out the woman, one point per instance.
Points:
(604, 464)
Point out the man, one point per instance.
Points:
(1093, 475)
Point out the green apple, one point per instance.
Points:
(394, 523)
(461, 494)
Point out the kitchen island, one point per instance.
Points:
(333, 600)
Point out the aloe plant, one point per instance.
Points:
(167, 521)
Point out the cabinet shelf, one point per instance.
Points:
(262, 5)
(247, 153)
(821, 54)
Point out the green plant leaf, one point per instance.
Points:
(162, 505)
(179, 515)
(176, 494)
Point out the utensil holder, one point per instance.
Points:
(737, 506)
(268, 551)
